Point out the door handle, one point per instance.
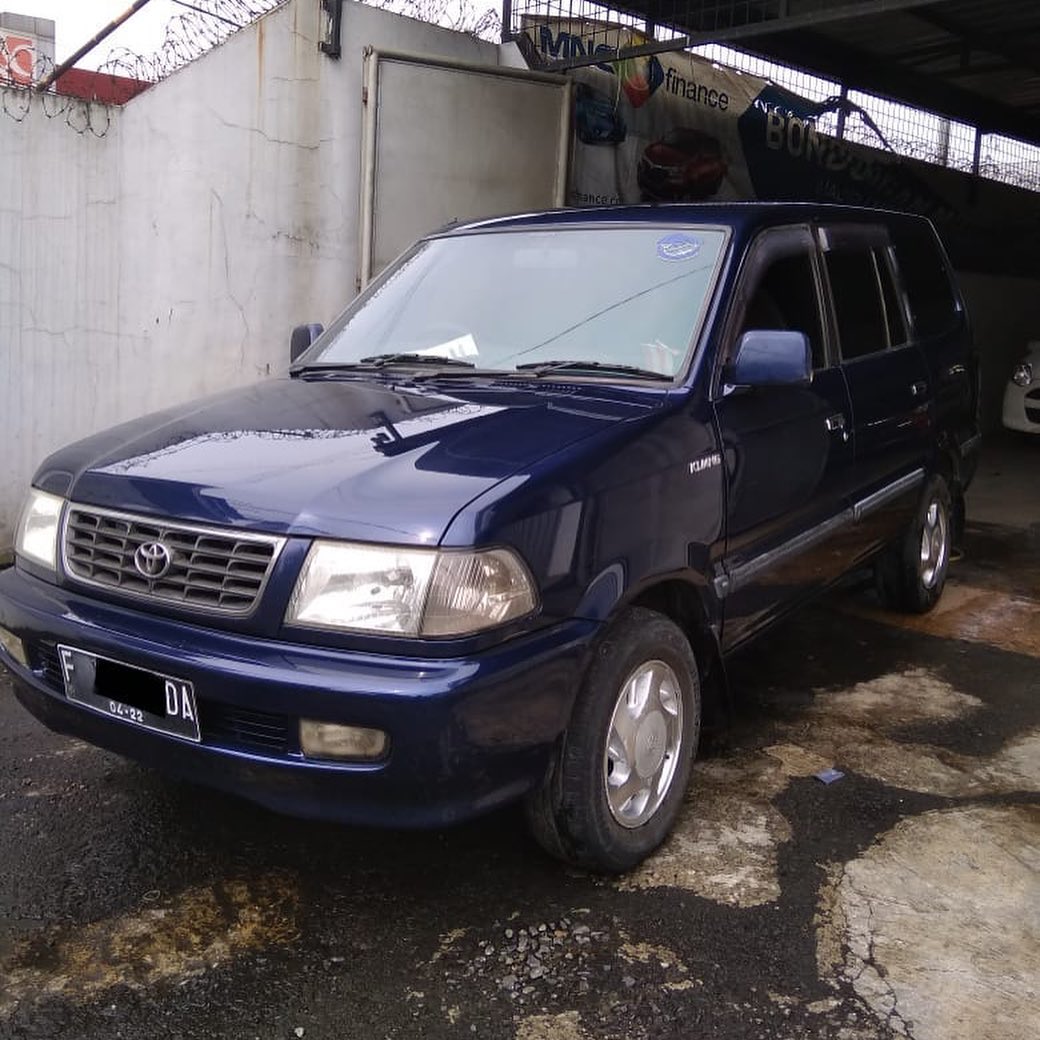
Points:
(837, 422)
(919, 389)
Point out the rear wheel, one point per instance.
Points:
(912, 573)
(617, 780)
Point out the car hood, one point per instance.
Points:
(347, 458)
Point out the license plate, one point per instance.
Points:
(134, 695)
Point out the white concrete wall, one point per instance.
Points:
(171, 256)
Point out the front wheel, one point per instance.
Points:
(912, 573)
(617, 780)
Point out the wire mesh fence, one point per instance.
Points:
(869, 119)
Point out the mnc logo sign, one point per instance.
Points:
(17, 59)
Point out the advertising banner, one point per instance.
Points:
(678, 128)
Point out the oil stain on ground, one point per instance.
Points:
(180, 936)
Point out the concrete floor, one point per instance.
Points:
(900, 901)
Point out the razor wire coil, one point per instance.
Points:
(187, 35)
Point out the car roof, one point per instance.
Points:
(741, 216)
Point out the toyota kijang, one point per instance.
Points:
(495, 531)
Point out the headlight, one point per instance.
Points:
(1023, 374)
(37, 538)
(411, 592)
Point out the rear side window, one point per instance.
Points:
(858, 305)
(933, 304)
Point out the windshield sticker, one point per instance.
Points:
(463, 347)
(678, 247)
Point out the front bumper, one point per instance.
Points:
(466, 734)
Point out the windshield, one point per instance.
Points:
(613, 296)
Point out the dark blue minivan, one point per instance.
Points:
(494, 532)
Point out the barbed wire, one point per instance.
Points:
(198, 28)
(20, 69)
(449, 14)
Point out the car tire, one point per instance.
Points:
(911, 574)
(619, 773)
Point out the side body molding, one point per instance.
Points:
(729, 580)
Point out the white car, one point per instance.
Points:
(1022, 396)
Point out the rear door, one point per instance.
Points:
(939, 325)
(887, 377)
(787, 450)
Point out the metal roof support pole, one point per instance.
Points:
(943, 153)
(976, 169)
(507, 20)
(843, 107)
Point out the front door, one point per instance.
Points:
(788, 451)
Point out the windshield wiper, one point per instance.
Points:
(377, 361)
(380, 360)
(544, 368)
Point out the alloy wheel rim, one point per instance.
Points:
(644, 741)
(934, 545)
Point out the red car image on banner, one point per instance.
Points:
(685, 165)
(17, 58)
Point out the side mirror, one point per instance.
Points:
(771, 357)
(302, 337)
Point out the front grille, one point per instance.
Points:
(1033, 415)
(1033, 395)
(213, 570)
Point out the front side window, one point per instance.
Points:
(784, 297)
(782, 288)
(629, 296)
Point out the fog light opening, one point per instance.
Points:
(334, 742)
(14, 647)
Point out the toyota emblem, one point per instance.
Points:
(152, 559)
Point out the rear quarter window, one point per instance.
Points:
(933, 303)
